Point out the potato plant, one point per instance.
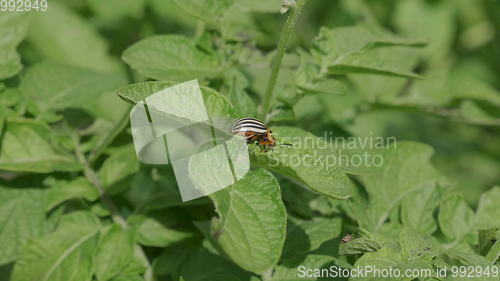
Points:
(391, 108)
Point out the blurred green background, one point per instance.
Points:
(462, 36)
(455, 108)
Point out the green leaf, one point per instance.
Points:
(251, 225)
(494, 252)
(171, 58)
(171, 262)
(13, 29)
(309, 78)
(116, 170)
(355, 49)
(471, 112)
(468, 258)
(444, 86)
(369, 62)
(433, 21)
(359, 246)
(415, 244)
(488, 210)
(66, 254)
(128, 278)
(138, 264)
(209, 11)
(374, 87)
(206, 266)
(385, 259)
(160, 229)
(23, 219)
(26, 146)
(75, 42)
(305, 236)
(272, 6)
(110, 12)
(114, 252)
(417, 210)
(238, 95)
(411, 163)
(52, 86)
(238, 25)
(312, 261)
(455, 218)
(215, 103)
(61, 191)
(304, 163)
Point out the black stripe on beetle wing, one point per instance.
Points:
(249, 121)
(250, 128)
(249, 124)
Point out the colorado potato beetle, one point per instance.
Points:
(254, 131)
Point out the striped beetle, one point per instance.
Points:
(254, 131)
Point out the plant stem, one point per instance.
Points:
(117, 129)
(288, 29)
(91, 176)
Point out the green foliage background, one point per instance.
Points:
(75, 204)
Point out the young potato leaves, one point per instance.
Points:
(172, 58)
(52, 86)
(488, 211)
(414, 251)
(433, 21)
(63, 36)
(115, 252)
(294, 273)
(237, 83)
(374, 87)
(473, 113)
(308, 78)
(417, 209)
(305, 236)
(117, 170)
(66, 254)
(359, 246)
(128, 278)
(61, 191)
(354, 50)
(251, 225)
(26, 146)
(209, 11)
(415, 244)
(456, 218)
(388, 258)
(204, 265)
(406, 169)
(443, 86)
(368, 62)
(20, 205)
(160, 229)
(259, 5)
(111, 12)
(13, 29)
(304, 164)
(216, 104)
